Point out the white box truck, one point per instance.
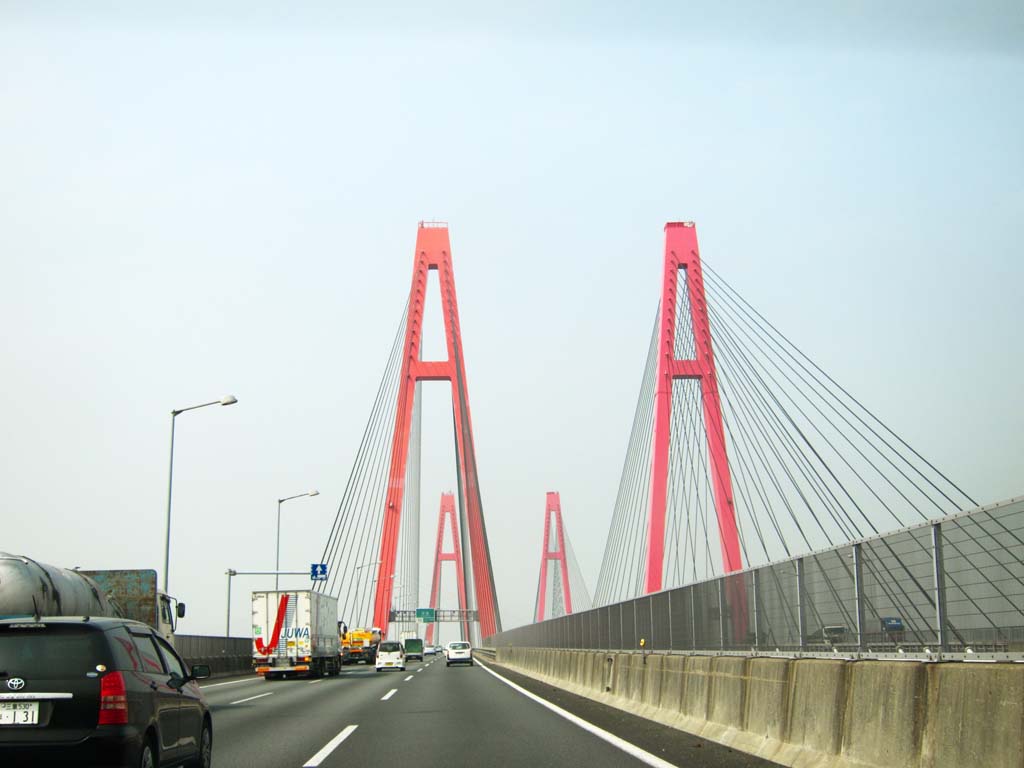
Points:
(295, 633)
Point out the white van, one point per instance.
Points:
(390, 656)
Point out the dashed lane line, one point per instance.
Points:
(329, 747)
(630, 749)
(314, 682)
(407, 679)
(231, 682)
(389, 694)
(252, 698)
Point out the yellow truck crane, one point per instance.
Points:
(358, 644)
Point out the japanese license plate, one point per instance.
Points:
(19, 712)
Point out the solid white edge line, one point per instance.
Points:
(407, 679)
(260, 696)
(389, 694)
(329, 747)
(232, 682)
(630, 749)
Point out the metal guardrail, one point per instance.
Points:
(949, 588)
(224, 655)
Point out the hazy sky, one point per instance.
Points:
(203, 198)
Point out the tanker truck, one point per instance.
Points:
(29, 588)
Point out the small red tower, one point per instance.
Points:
(553, 537)
(447, 514)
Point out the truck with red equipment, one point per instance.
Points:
(295, 634)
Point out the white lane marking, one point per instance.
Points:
(407, 679)
(630, 749)
(329, 747)
(231, 682)
(251, 698)
(420, 669)
(314, 682)
(389, 694)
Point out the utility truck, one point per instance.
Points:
(295, 633)
(31, 588)
(360, 645)
(412, 644)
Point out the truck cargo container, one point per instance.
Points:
(295, 633)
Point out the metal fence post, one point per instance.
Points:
(650, 604)
(721, 614)
(858, 593)
(940, 585)
(693, 618)
(800, 618)
(636, 619)
(671, 645)
(757, 631)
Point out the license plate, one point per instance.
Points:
(389, 663)
(19, 712)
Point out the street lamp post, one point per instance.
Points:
(227, 621)
(277, 561)
(226, 400)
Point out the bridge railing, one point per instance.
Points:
(944, 588)
(224, 655)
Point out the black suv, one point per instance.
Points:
(98, 692)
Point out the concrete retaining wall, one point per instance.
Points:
(809, 713)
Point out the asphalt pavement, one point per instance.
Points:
(433, 715)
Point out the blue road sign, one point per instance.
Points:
(318, 571)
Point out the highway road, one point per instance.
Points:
(432, 715)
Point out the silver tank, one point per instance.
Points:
(28, 588)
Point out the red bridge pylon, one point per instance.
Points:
(681, 253)
(433, 252)
(553, 514)
(447, 514)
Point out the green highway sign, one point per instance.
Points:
(426, 615)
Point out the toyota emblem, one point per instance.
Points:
(15, 683)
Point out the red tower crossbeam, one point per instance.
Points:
(681, 253)
(433, 251)
(553, 513)
(447, 514)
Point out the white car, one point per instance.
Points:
(390, 655)
(459, 652)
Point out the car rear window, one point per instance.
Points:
(390, 647)
(459, 646)
(51, 650)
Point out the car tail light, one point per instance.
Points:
(113, 700)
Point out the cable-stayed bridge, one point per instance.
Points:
(743, 454)
(783, 574)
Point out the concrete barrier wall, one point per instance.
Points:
(809, 713)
